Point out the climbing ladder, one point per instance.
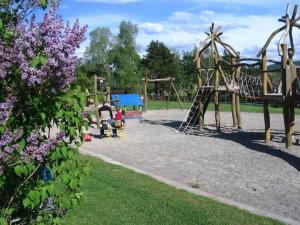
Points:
(192, 121)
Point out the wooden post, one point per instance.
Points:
(107, 94)
(267, 122)
(266, 103)
(233, 96)
(198, 69)
(294, 87)
(96, 101)
(237, 98)
(201, 114)
(177, 95)
(169, 93)
(217, 101)
(238, 111)
(218, 71)
(145, 94)
(233, 109)
(286, 95)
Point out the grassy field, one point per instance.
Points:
(225, 107)
(117, 196)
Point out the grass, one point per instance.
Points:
(225, 107)
(118, 196)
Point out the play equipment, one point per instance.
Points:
(171, 86)
(100, 89)
(126, 100)
(213, 80)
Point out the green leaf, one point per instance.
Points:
(73, 184)
(74, 202)
(26, 202)
(65, 178)
(34, 196)
(2, 221)
(8, 35)
(43, 3)
(43, 116)
(72, 131)
(51, 189)
(22, 144)
(10, 211)
(18, 170)
(64, 152)
(25, 170)
(78, 195)
(57, 221)
(44, 194)
(31, 167)
(70, 154)
(43, 60)
(34, 61)
(1, 24)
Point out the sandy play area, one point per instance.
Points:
(232, 164)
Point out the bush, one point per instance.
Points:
(39, 173)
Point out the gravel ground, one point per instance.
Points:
(232, 164)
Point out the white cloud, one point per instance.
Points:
(183, 30)
(181, 16)
(110, 1)
(111, 21)
(151, 28)
(246, 2)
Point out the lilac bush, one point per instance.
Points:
(37, 68)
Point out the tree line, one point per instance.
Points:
(116, 58)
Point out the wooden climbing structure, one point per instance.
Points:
(170, 81)
(288, 91)
(213, 80)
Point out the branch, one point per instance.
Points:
(21, 185)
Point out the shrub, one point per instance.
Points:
(39, 174)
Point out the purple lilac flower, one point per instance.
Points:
(37, 149)
(58, 41)
(8, 144)
(5, 108)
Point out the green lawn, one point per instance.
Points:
(118, 196)
(225, 107)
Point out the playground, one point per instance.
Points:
(233, 164)
(249, 158)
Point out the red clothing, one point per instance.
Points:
(119, 115)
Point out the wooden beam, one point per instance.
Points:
(267, 122)
(168, 97)
(159, 80)
(178, 98)
(233, 109)
(286, 96)
(145, 94)
(96, 102)
(265, 75)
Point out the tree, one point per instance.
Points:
(97, 55)
(188, 80)
(125, 58)
(160, 62)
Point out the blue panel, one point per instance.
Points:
(128, 99)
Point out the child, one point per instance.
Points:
(119, 116)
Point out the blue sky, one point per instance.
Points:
(181, 23)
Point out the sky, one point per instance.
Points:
(181, 24)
